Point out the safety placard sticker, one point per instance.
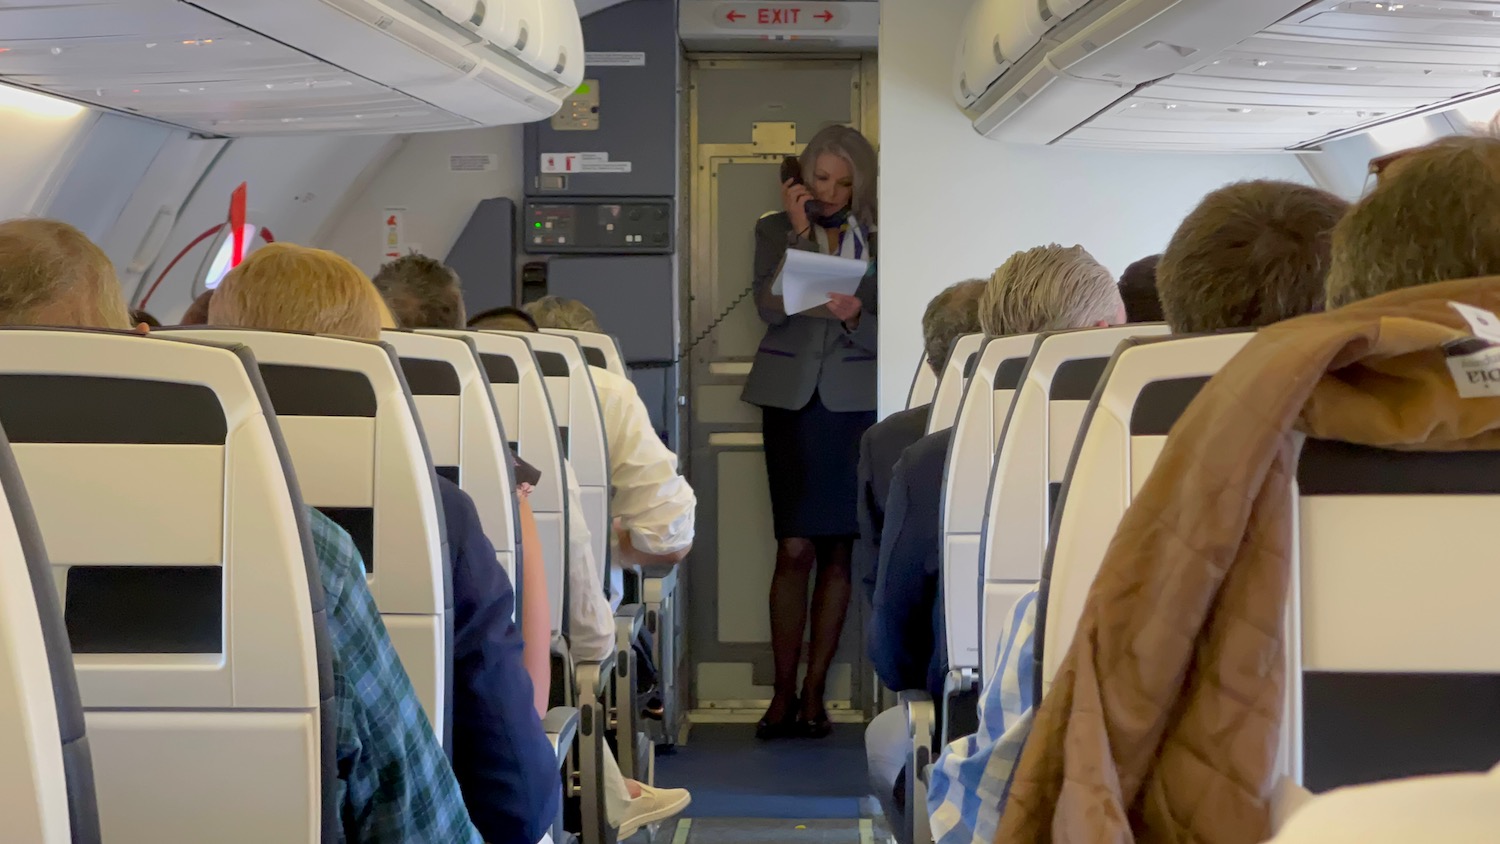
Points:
(582, 162)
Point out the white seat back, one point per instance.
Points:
(923, 385)
(462, 425)
(41, 718)
(1393, 615)
(950, 388)
(192, 596)
(361, 458)
(601, 350)
(966, 476)
(1034, 450)
(526, 412)
(582, 428)
(1147, 386)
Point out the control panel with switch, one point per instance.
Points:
(598, 226)
(580, 111)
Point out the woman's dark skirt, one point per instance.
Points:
(812, 460)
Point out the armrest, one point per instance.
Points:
(594, 676)
(960, 704)
(921, 715)
(561, 725)
(628, 621)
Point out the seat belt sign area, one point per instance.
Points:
(779, 16)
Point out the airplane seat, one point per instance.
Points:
(351, 426)
(526, 414)
(924, 384)
(463, 428)
(566, 372)
(46, 772)
(191, 593)
(950, 386)
(581, 426)
(601, 350)
(976, 434)
(1391, 622)
(1145, 388)
(1037, 440)
(521, 393)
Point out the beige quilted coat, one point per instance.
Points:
(1162, 725)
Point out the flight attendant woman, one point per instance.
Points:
(814, 380)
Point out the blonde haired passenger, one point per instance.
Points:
(52, 274)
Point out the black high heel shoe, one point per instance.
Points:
(788, 726)
(816, 727)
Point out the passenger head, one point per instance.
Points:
(422, 292)
(197, 313)
(283, 287)
(950, 315)
(557, 312)
(504, 318)
(52, 274)
(1250, 254)
(1138, 291)
(839, 167)
(1049, 288)
(1434, 215)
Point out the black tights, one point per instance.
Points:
(795, 561)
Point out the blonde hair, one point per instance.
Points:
(52, 274)
(1251, 254)
(855, 149)
(1434, 215)
(284, 287)
(1049, 288)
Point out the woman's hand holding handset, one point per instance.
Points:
(794, 198)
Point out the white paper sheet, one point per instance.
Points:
(806, 279)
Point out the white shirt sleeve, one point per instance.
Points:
(591, 623)
(652, 501)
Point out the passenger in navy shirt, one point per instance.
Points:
(504, 761)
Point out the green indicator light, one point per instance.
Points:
(538, 225)
(583, 89)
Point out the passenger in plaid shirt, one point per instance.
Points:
(970, 781)
(395, 784)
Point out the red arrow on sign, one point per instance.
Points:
(735, 16)
(825, 17)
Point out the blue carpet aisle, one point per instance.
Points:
(732, 775)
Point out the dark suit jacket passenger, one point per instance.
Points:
(879, 449)
(801, 354)
(907, 635)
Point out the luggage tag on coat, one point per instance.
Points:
(1484, 324)
(1474, 364)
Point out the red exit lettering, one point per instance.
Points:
(783, 16)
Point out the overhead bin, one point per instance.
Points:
(228, 67)
(1219, 74)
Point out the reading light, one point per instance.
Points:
(38, 105)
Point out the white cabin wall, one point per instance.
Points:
(294, 184)
(438, 202)
(38, 135)
(954, 205)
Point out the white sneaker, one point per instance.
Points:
(654, 804)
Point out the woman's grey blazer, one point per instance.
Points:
(801, 353)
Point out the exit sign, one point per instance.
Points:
(778, 16)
